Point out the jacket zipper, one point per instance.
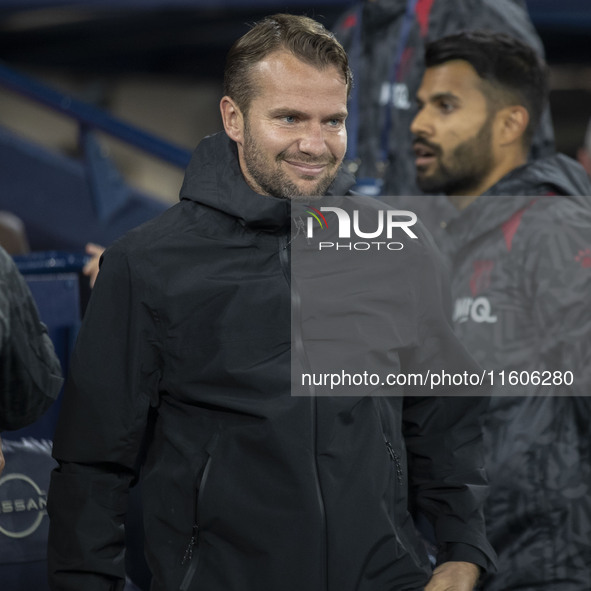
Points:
(194, 541)
(399, 533)
(188, 578)
(298, 343)
(284, 258)
(396, 459)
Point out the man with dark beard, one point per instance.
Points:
(386, 40)
(182, 372)
(519, 247)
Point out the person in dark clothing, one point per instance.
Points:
(518, 241)
(186, 353)
(386, 40)
(30, 372)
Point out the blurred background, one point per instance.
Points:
(157, 65)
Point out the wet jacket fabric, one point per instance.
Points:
(186, 346)
(374, 35)
(521, 279)
(30, 372)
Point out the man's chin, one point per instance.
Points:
(428, 184)
(306, 198)
(310, 189)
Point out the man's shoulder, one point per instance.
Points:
(553, 175)
(557, 211)
(555, 233)
(12, 283)
(538, 216)
(181, 219)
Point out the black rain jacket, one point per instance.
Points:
(185, 348)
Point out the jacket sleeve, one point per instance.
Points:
(104, 415)
(443, 429)
(30, 372)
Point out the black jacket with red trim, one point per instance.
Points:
(521, 283)
(185, 349)
(372, 60)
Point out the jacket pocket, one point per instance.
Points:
(192, 551)
(403, 536)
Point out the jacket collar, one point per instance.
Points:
(555, 177)
(214, 178)
(556, 174)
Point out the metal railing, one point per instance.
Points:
(92, 117)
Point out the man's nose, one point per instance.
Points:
(313, 140)
(421, 125)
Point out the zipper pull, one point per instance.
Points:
(391, 451)
(396, 459)
(192, 543)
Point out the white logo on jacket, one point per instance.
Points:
(477, 309)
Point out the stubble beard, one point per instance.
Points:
(469, 163)
(272, 180)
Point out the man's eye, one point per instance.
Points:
(335, 122)
(446, 107)
(289, 119)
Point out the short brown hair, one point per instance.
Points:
(305, 38)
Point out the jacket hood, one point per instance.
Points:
(214, 178)
(556, 174)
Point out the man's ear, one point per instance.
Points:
(233, 119)
(513, 122)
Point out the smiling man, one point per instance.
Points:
(519, 246)
(291, 134)
(182, 375)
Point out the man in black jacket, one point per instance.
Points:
(183, 367)
(518, 239)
